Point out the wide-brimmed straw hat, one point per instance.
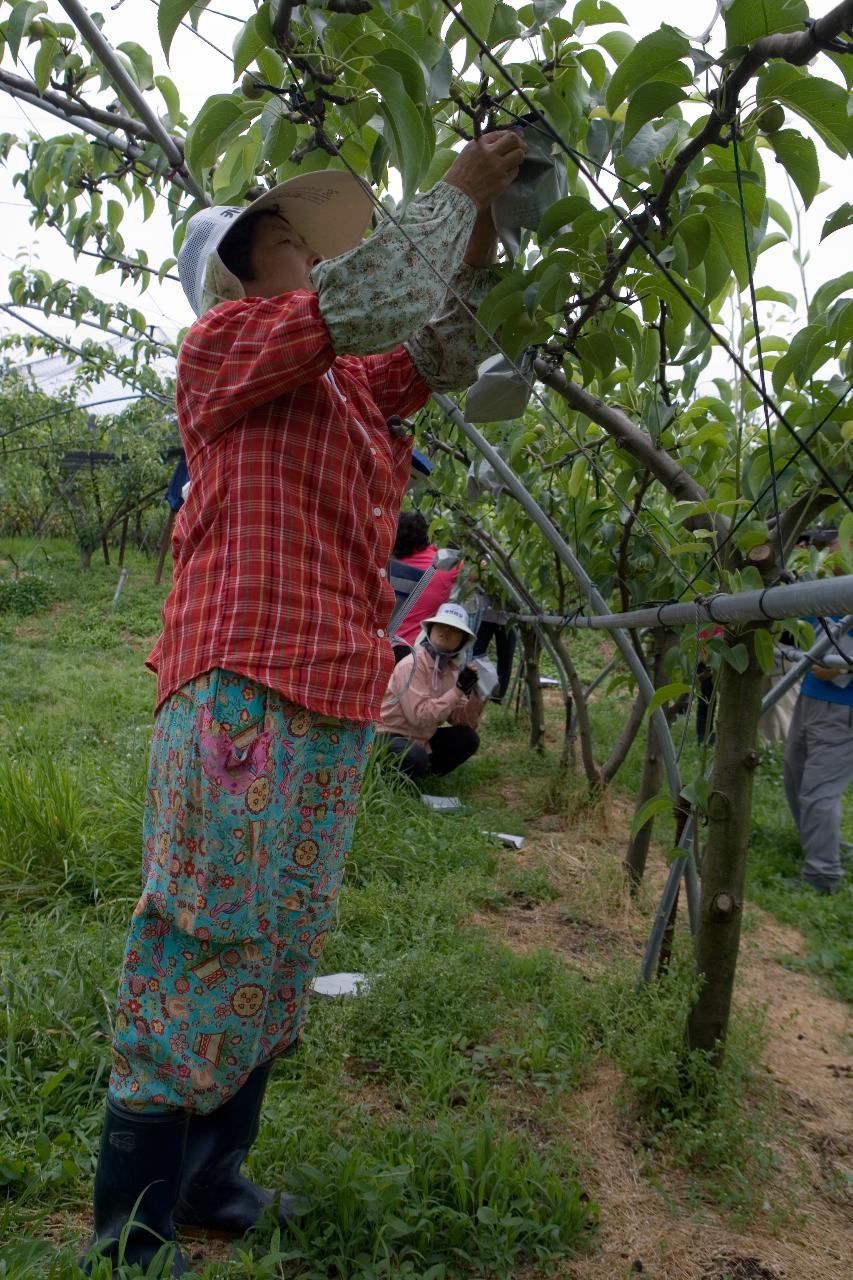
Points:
(330, 210)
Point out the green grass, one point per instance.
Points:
(825, 921)
(425, 1119)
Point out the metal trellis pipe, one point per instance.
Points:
(670, 889)
(825, 598)
(130, 91)
(583, 580)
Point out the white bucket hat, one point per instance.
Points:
(330, 209)
(452, 615)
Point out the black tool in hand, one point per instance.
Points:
(467, 678)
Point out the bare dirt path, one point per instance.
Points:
(653, 1225)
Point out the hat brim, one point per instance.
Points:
(330, 209)
(427, 623)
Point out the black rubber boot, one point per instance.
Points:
(214, 1195)
(139, 1173)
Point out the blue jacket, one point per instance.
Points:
(826, 690)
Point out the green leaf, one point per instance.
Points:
(771, 240)
(140, 59)
(594, 12)
(768, 294)
(115, 213)
(661, 803)
(204, 135)
(505, 25)
(279, 135)
(737, 656)
(843, 217)
(618, 44)
(597, 349)
(798, 155)
(411, 146)
(649, 56)
(479, 14)
(441, 161)
(171, 97)
(170, 15)
(48, 49)
(18, 24)
(564, 101)
(440, 76)
(648, 358)
(649, 103)
(248, 43)
(802, 356)
(667, 693)
(271, 66)
(727, 227)
(820, 102)
(237, 169)
(562, 214)
(493, 307)
(577, 477)
(409, 71)
(648, 142)
(698, 793)
(748, 20)
(592, 61)
(827, 293)
(556, 282)
(764, 650)
(780, 214)
(695, 231)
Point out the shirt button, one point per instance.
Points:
(380, 633)
(383, 573)
(377, 511)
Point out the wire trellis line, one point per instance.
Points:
(641, 242)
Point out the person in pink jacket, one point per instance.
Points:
(427, 689)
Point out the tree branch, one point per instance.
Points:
(797, 48)
(73, 107)
(113, 141)
(629, 436)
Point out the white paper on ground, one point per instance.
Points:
(548, 682)
(508, 841)
(340, 984)
(442, 804)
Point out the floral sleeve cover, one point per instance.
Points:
(445, 351)
(393, 287)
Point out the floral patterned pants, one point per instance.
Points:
(248, 823)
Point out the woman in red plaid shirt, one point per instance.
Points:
(274, 658)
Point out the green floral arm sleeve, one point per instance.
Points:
(445, 351)
(386, 289)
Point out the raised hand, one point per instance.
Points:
(486, 167)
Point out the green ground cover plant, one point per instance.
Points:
(424, 1121)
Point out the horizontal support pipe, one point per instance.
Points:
(825, 598)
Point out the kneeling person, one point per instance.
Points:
(427, 689)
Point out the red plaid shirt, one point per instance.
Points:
(281, 547)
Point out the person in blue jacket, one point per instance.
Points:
(819, 768)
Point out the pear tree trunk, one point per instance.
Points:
(652, 775)
(724, 859)
(530, 644)
(581, 715)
